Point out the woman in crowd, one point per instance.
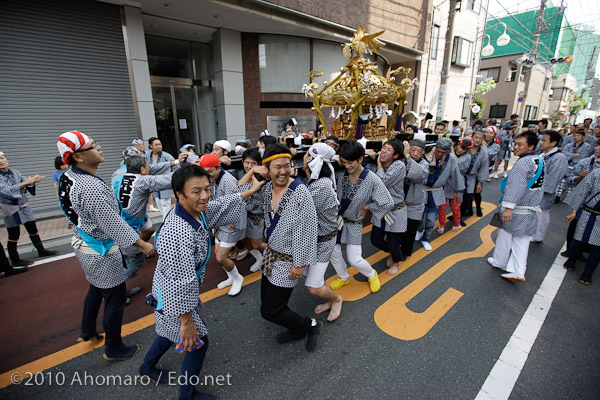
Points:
(16, 210)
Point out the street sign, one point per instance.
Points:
(520, 99)
(521, 94)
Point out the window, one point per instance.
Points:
(530, 112)
(473, 5)
(465, 108)
(498, 111)
(493, 73)
(546, 83)
(328, 58)
(511, 74)
(283, 61)
(435, 39)
(461, 52)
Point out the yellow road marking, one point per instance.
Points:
(360, 288)
(357, 290)
(397, 320)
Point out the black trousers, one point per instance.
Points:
(408, 238)
(571, 232)
(114, 303)
(274, 308)
(389, 242)
(592, 261)
(466, 206)
(477, 197)
(4, 264)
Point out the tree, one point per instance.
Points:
(578, 104)
(481, 89)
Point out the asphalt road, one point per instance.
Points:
(453, 313)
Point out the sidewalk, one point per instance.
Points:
(54, 232)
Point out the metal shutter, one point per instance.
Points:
(63, 68)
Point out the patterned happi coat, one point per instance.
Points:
(91, 205)
(576, 153)
(327, 205)
(587, 195)
(480, 170)
(369, 190)
(182, 244)
(587, 164)
(556, 166)
(448, 172)
(225, 185)
(255, 223)
(12, 197)
(393, 179)
(493, 149)
(135, 188)
(294, 234)
(163, 157)
(414, 188)
(454, 183)
(517, 194)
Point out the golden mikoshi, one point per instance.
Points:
(359, 88)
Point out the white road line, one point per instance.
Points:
(503, 376)
(52, 259)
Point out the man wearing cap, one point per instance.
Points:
(522, 193)
(556, 167)
(291, 229)
(443, 166)
(417, 170)
(222, 148)
(92, 208)
(359, 190)
(222, 183)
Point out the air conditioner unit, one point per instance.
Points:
(424, 108)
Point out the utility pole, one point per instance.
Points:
(447, 59)
(533, 54)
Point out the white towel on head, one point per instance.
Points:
(224, 144)
(322, 154)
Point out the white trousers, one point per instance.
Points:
(164, 205)
(511, 252)
(315, 275)
(354, 254)
(542, 226)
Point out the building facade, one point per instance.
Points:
(467, 38)
(510, 97)
(185, 71)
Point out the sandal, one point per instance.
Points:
(440, 230)
(585, 279)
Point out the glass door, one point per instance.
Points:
(174, 113)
